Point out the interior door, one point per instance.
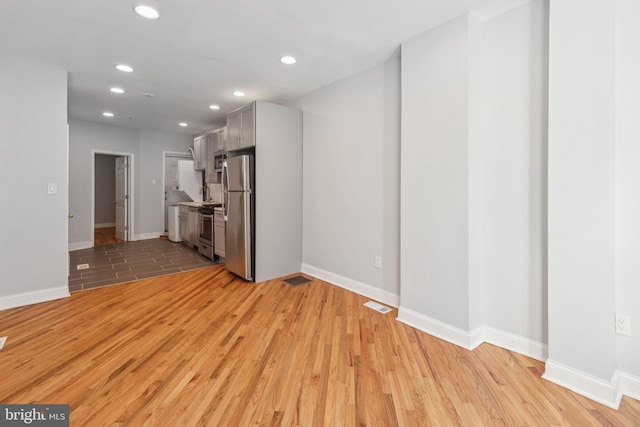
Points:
(122, 198)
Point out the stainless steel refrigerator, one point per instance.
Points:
(237, 187)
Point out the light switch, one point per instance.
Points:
(52, 188)
(153, 181)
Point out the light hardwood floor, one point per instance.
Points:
(206, 348)
(105, 236)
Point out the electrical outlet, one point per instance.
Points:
(377, 261)
(2, 341)
(623, 325)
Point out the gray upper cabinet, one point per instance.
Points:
(210, 175)
(233, 130)
(216, 144)
(247, 126)
(200, 152)
(220, 142)
(241, 128)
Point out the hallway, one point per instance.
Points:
(105, 236)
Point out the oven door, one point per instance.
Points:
(205, 233)
(205, 228)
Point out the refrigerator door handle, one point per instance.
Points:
(225, 190)
(225, 202)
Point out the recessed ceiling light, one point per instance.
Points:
(147, 12)
(214, 107)
(125, 68)
(116, 90)
(238, 93)
(183, 124)
(289, 60)
(107, 114)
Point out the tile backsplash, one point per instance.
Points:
(215, 192)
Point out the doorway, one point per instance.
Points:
(111, 198)
(171, 197)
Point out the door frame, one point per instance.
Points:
(184, 155)
(122, 197)
(130, 214)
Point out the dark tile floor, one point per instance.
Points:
(129, 261)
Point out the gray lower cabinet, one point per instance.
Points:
(183, 216)
(189, 225)
(218, 234)
(194, 239)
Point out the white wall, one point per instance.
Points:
(581, 196)
(351, 181)
(146, 146)
(512, 188)
(434, 179)
(83, 138)
(152, 144)
(33, 144)
(474, 119)
(105, 181)
(278, 197)
(627, 164)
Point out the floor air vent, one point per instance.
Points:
(297, 280)
(377, 307)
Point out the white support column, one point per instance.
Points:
(582, 353)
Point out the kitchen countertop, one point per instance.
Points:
(198, 204)
(191, 204)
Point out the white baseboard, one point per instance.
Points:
(585, 384)
(360, 288)
(533, 349)
(145, 236)
(80, 245)
(629, 385)
(27, 298)
(470, 340)
(105, 225)
(437, 328)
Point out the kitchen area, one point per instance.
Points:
(243, 193)
(199, 223)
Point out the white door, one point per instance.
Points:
(122, 198)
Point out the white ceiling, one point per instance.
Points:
(200, 51)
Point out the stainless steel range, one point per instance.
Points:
(205, 231)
